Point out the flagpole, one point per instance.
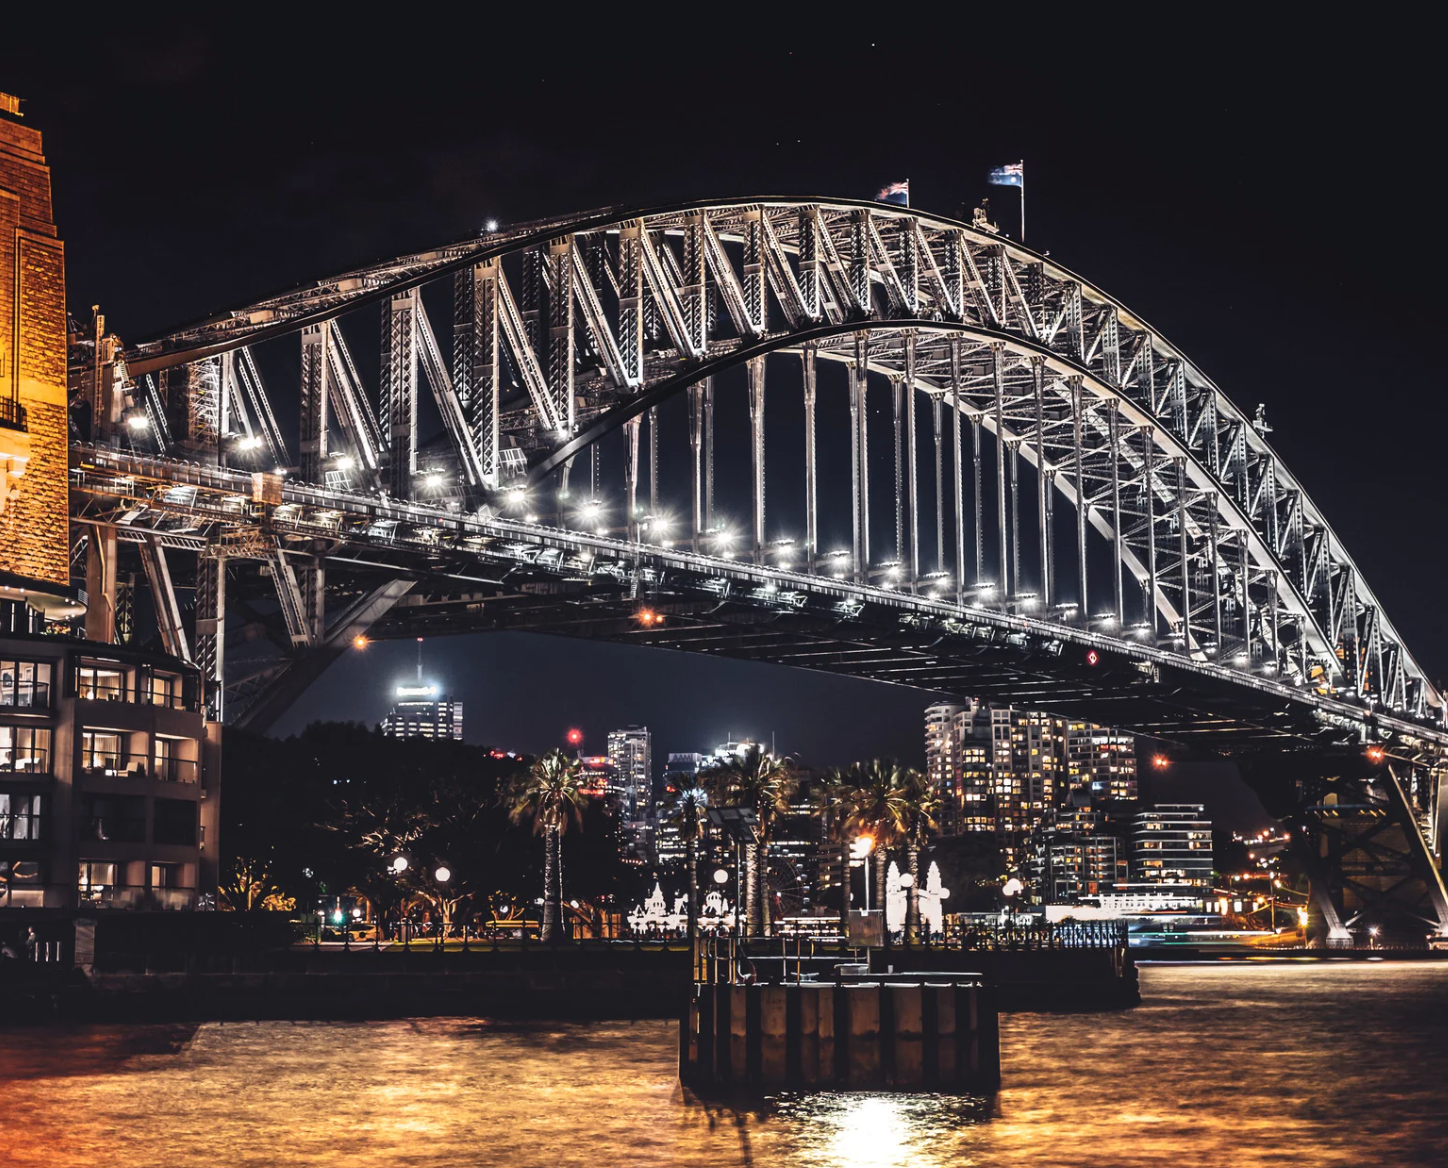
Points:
(1023, 200)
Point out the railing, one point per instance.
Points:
(174, 770)
(25, 761)
(109, 763)
(34, 696)
(110, 689)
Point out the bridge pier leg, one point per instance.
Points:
(100, 585)
(1355, 833)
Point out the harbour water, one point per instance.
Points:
(1232, 1064)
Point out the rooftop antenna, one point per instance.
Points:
(419, 660)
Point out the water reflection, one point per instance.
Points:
(1227, 1065)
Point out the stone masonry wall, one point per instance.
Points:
(34, 520)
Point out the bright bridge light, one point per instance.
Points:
(138, 423)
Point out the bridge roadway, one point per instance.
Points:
(475, 573)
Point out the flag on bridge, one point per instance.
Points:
(897, 193)
(1013, 174)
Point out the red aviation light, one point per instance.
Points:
(575, 737)
(1093, 658)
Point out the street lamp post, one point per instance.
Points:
(442, 875)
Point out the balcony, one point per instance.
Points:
(30, 697)
(174, 770)
(15, 761)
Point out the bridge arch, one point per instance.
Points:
(616, 310)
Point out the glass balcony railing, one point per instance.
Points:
(174, 770)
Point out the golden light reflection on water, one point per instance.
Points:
(1225, 1065)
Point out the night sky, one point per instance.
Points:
(1258, 194)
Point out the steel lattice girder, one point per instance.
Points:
(1208, 517)
(510, 563)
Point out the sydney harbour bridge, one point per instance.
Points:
(830, 434)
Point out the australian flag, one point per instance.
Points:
(897, 193)
(1013, 174)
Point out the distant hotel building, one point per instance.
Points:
(630, 753)
(1004, 770)
(419, 711)
(681, 774)
(1171, 844)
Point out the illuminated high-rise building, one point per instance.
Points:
(421, 710)
(1003, 770)
(631, 752)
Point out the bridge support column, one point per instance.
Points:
(1050, 531)
(1149, 477)
(860, 457)
(163, 595)
(979, 535)
(1038, 385)
(939, 435)
(897, 404)
(100, 584)
(811, 515)
(631, 478)
(756, 451)
(1013, 448)
(912, 467)
(211, 628)
(653, 466)
(315, 360)
(1078, 405)
(1113, 421)
(707, 389)
(696, 449)
(1185, 552)
(1214, 551)
(1003, 583)
(399, 390)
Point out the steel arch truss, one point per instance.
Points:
(562, 328)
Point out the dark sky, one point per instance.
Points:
(1259, 193)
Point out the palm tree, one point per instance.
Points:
(878, 807)
(687, 811)
(828, 793)
(921, 804)
(550, 794)
(764, 783)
